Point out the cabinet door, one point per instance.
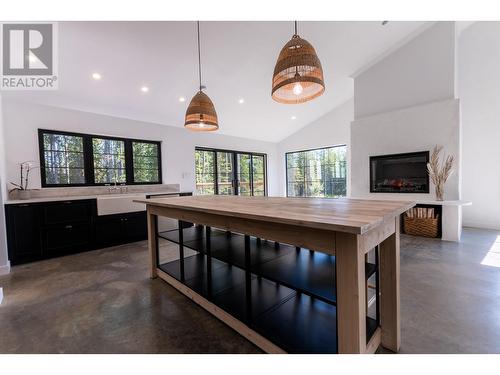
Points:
(67, 239)
(24, 233)
(135, 227)
(109, 230)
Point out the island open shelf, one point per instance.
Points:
(287, 298)
(304, 270)
(291, 286)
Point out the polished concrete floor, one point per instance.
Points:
(103, 302)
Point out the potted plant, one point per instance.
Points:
(22, 188)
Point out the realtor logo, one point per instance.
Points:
(29, 59)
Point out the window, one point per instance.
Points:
(73, 159)
(109, 161)
(146, 162)
(317, 173)
(225, 172)
(63, 159)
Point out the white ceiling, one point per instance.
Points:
(238, 60)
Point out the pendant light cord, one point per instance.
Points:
(295, 36)
(199, 54)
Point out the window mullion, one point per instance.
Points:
(88, 160)
(129, 163)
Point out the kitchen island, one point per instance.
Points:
(281, 309)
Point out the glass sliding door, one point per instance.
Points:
(225, 173)
(243, 175)
(258, 175)
(205, 172)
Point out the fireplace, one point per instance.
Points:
(399, 173)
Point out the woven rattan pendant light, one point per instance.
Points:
(298, 75)
(200, 114)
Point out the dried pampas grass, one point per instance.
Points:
(437, 174)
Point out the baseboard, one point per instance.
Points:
(475, 225)
(5, 269)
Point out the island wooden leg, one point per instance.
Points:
(389, 292)
(153, 243)
(351, 308)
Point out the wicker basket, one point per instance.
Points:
(425, 227)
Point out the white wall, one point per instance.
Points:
(331, 129)
(479, 89)
(22, 119)
(421, 71)
(406, 102)
(413, 129)
(4, 260)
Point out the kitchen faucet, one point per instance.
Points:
(117, 189)
(114, 188)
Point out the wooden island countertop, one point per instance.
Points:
(346, 228)
(346, 215)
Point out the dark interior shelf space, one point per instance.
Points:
(371, 327)
(370, 269)
(293, 290)
(301, 324)
(290, 319)
(309, 272)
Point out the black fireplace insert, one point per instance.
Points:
(399, 173)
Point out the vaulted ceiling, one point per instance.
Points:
(238, 60)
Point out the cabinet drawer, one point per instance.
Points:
(67, 239)
(67, 211)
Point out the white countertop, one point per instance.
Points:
(402, 197)
(445, 203)
(82, 197)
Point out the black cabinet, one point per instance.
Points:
(136, 226)
(119, 229)
(24, 234)
(43, 230)
(67, 227)
(65, 212)
(67, 239)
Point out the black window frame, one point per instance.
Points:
(235, 169)
(88, 159)
(306, 150)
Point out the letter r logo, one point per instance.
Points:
(27, 49)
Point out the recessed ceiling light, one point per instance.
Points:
(241, 100)
(144, 89)
(182, 99)
(293, 117)
(96, 76)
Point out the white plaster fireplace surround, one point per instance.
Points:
(412, 129)
(406, 102)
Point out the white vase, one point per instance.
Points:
(24, 194)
